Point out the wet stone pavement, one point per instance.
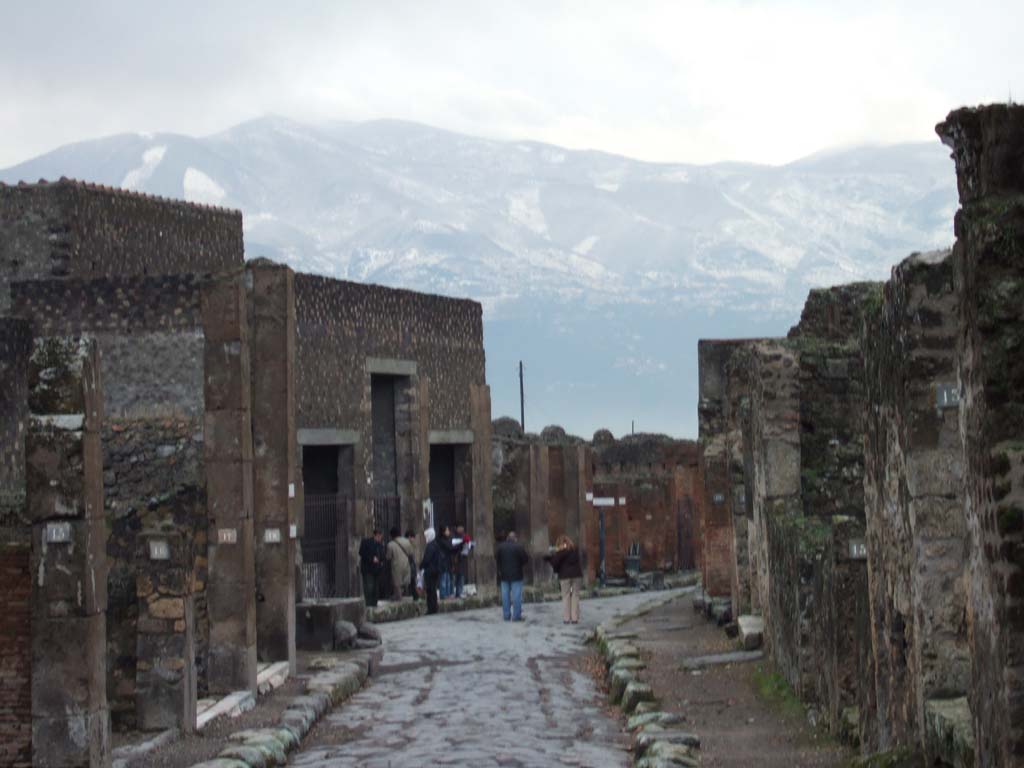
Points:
(471, 689)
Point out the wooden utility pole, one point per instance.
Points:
(522, 400)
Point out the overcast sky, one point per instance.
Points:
(686, 81)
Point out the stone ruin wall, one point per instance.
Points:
(914, 499)
(988, 149)
(881, 445)
(775, 451)
(149, 333)
(73, 229)
(339, 326)
(657, 477)
(717, 465)
(15, 550)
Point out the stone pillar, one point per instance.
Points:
(988, 148)
(227, 435)
(539, 538)
(64, 501)
(165, 673)
(15, 549)
(275, 457)
(483, 518)
(775, 449)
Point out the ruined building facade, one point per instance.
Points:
(162, 484)
(641, 494)
(875, 451)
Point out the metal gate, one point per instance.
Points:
(325, 543)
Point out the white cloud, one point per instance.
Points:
(686, 80)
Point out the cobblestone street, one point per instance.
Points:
(471, 689)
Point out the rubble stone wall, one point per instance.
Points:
(73, 229)
(150, 337)
(914, 498)
(988, 149)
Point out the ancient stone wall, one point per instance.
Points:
(149, 332)
(656, 476)
(988, 149)
(64, 504)
(540, 491)
(914, 498)
(774, 442)
(340, 324)
(72, 229)
(276, 471)
(15, 549)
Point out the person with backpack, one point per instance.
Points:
(399, 551)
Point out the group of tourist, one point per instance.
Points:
(389, 571)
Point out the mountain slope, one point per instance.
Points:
(598, 270)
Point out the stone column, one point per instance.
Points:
(483, 518)
(165, 673)
(275, 449)
(539, 538)
(64, 500)
(227, 435)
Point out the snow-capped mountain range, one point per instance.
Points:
(599, 271)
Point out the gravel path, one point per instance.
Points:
(471, 689)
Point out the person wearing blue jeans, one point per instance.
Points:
(511, 557)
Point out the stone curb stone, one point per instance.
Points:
(269, 747)
(635, 693)
(618, 683)
(647, 736)
(646, 707)
(642, 719)
(677, 754)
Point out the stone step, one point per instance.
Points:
(751, 632)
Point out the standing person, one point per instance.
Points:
(371, 564)
(565, 561)
(432, 564)
(411, 537)
(398, 554)
(511, 558)
(449, 554)
(462, 564)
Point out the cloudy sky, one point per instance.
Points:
(694, 81)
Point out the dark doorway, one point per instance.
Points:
(442, 486)
(327, 475)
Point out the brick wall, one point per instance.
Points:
(72, 229)
(15, 657)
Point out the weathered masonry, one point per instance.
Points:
(393, 422)
(639, 492)
(873, 459)
(542, 488)
(186, 475)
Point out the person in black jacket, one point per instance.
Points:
(432, 565)
(565, 561)
(371, 564)
(449, 553)
(511, 558)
